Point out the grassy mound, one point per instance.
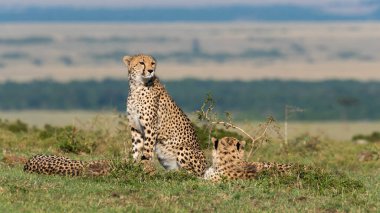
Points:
(334, 180)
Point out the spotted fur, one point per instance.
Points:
(58, 165)
(228, 162)
(158, 125)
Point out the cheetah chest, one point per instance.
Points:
(134, 120)
(133, 113)
(142, 102)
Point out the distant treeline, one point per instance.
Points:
(175, 14)
(325, 100)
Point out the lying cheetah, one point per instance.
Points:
(157, 123)
(228, 163)
(58, 165)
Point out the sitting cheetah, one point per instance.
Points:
(58, 165)
(157, 123)
(228, 163)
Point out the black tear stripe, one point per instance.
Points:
(216, 143)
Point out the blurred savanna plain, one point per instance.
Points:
(63, 88)
(219, 51)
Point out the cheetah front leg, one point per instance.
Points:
(149, 143)
(149, 121)
(138, 150)
(137, 144)
(143, 144)
(138, 141)
(148, 148)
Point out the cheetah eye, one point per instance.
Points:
(153, 63)
(141, 62)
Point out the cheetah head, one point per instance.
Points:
(227, 148)
(141, 68)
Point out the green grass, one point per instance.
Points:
(335, 180)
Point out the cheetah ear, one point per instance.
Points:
(243, 144)
(215, 141)
(127, 60)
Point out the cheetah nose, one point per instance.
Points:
(150, 71)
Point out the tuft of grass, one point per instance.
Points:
(313, 179)
(130, 172)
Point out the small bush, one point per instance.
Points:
(15, 127)
(304, 144)
(203, 134)
(374, 137)
(74, 141)
(50, 131)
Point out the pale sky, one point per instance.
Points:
(335, 6)
(139, 3)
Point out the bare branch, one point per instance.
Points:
(207, 114)
(228, 125)
(260, 137)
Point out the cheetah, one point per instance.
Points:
(59, 165)
(228, 162)
(158, 125)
